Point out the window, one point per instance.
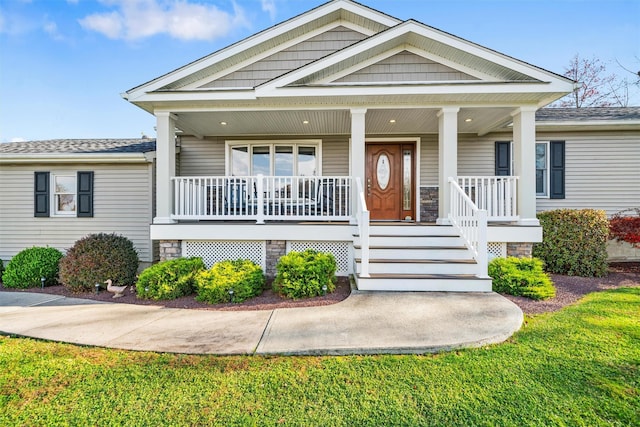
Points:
(296, 158)
(549, 163)
(542, 169)
(63, 194)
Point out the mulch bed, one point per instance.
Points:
(569, 289)
(268, 300)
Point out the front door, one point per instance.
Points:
(390, 181)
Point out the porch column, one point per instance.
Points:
(447, 158)
(357, 153)
(524, 162)
(165, 166)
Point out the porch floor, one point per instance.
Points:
(364, 323)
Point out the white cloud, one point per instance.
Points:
(138, 19)
(51, 28)
(270, 7)
(18, 139)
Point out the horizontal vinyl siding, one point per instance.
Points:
(122, 205)
(601, 173)
(202, 157)
(335, 156)
(476, 157)
(429, 161)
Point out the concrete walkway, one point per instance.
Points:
(364, 323)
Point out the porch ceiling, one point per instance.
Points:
(332, 122)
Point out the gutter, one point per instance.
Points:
(24, 158)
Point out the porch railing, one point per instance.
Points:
(471, 222)
(362, 219)
(260, 198)
(497, 195)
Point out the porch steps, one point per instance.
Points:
(418, 258)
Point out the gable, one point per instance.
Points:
(288, 59)
(405, 67)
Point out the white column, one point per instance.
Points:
(165, 166)
(357, 153)
(447, 158)
(524, 162)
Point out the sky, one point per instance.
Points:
(65, 63)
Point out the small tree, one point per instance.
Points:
(597, 87)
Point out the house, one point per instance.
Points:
(348, 130)
(410, 154)
(55, 192)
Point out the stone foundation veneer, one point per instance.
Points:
(428, 204)
(519, 250)
(275, 249)
(170, 249)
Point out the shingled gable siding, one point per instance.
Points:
(121, 204)
(289, 59)
(406, 67)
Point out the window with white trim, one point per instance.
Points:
(542, 169)
(274, 158)
(64, 198)
(63, 194)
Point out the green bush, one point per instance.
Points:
(96, 258)
(169, 279)
(242, 276)
(303, 274)
(1, 268)
(521, 277)
(26, 269)
(574, 242)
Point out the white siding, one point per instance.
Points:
(601, 172)
(122, 205)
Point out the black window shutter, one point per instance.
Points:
(557, 174)
(85, 194)
(41, 194)
(503, 158)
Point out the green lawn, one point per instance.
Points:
(576, 367)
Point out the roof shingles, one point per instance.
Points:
(79, 146)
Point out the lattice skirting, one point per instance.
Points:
(342, 251)
(212, 251)
(497, 250)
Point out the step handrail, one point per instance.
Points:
(471, 223)
(362, 219)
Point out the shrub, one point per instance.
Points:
(96, 258)
(521, 277)
(169, 279)
(574, 242)
(626, 228)
(1, 268)
(303, 274)
(242, 276)
(26, 269)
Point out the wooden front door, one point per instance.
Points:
(390, 184)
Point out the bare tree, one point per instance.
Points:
(596, 88)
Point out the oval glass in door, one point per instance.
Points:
(383, 172)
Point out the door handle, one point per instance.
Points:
(368, 186)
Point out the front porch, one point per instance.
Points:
(264, 217)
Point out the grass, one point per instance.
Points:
(579, 366)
